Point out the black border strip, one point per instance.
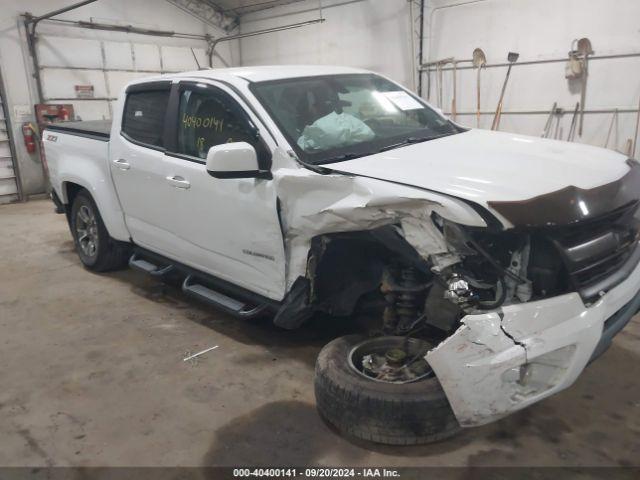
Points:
(78, 132)
(149, 86)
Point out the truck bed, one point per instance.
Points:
(96, 129)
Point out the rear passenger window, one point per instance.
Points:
(208, 117)
(144, 113)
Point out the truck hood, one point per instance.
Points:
(494, 168)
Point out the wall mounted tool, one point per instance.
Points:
(614, 121)
(439, 77)
(558, 133)
(455, 90)
(584, 49)
(547, 126)
(635, 135)
(574, 69)
(511, 58)
(479, 62)
(572, 129)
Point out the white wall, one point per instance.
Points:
(60, 44)
(538, 30)
(375, 34)
(372, 34)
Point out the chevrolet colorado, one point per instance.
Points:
(493, 267)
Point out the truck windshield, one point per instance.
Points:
(339, 117)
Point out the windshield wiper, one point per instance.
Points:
(412, 140)
(408, 141)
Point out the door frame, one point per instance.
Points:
(171, 121)
(265, 141)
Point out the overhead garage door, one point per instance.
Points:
(106, 66)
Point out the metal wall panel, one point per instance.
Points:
(179, 59)
(107, 65)
(147, 57)
(60, 83)
(118, 55)
(69, 52)
(92, 110)
(117, 80)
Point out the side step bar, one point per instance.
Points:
(139, 263)
(200, 286)
(230, 305)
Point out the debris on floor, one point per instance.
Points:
(193, 359)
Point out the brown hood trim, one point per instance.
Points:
(572, 204)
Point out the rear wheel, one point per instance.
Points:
(96, 249)
(382, 390)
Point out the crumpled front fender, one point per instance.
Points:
(312, 204)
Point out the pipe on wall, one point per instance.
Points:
(429, 66)
(414, 69)
(421, 54)
(30, 24)
(214, 43)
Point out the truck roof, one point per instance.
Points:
(261, 73)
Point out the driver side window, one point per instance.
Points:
(206, 118)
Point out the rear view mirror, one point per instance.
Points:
(234, 160)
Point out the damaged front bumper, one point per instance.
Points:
(499, 362)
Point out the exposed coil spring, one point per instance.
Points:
(403, 300)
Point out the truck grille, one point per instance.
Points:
(601, 252)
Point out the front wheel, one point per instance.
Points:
(96, 249)
(382, 390)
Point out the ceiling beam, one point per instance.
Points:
(207, 12)
(248, 6)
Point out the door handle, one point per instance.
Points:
(178, 182)
(122, 164)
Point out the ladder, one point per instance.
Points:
(9, 182)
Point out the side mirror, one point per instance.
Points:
(234, 160)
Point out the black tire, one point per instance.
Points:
(108, 253)
(394, 414)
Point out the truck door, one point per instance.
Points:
(226, 227)
(136, 160)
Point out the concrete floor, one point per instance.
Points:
(92, 374)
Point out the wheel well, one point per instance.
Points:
(344, 267)
(71, 190)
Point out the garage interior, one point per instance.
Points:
(92, 364)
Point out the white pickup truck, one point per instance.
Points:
(491, 267)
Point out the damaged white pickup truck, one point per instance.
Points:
(492, 267)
